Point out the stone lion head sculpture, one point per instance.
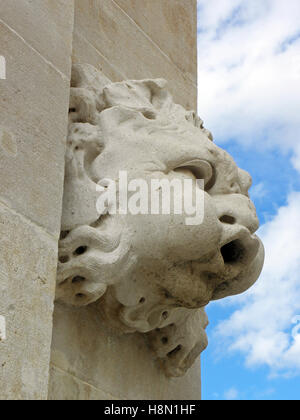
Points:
(151, 274)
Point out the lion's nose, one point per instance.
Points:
(237, 209)
(245, 181)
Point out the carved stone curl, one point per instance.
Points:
(151, 274)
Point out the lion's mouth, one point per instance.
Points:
(241, 249)
(233, 252)
(238, 255)
(237, 252)
(229, 270)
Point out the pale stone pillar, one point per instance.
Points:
(36, 41)
(140, 39)
(125, 39)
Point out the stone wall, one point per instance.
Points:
(36, 41)
(126, 39)
(139, 39)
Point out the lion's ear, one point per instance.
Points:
(119, 118)
(143, 94)
(135, 94)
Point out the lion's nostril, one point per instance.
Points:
(232, 252)
(229, 220)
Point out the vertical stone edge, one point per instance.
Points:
(72, 20)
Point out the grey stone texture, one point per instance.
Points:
(125, 40)
(146, 275)
(36, 41)
(90, 358)
(135, 39)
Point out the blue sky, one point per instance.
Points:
(249, 97)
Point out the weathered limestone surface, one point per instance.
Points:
(98, 363)
(66, 387)
(33, 107)
(171, 25)
(102, 351)
(140, 39)
(45, 25)
(144, 273)
(125, 40)
(27, 284)
(36, 40)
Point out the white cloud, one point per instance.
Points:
(249, 91)
(265, 328)
(231, 394)
(249, 71)
(258, 191)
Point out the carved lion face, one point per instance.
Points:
(151, 273)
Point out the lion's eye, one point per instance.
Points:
(198, 169)
(187, 171)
